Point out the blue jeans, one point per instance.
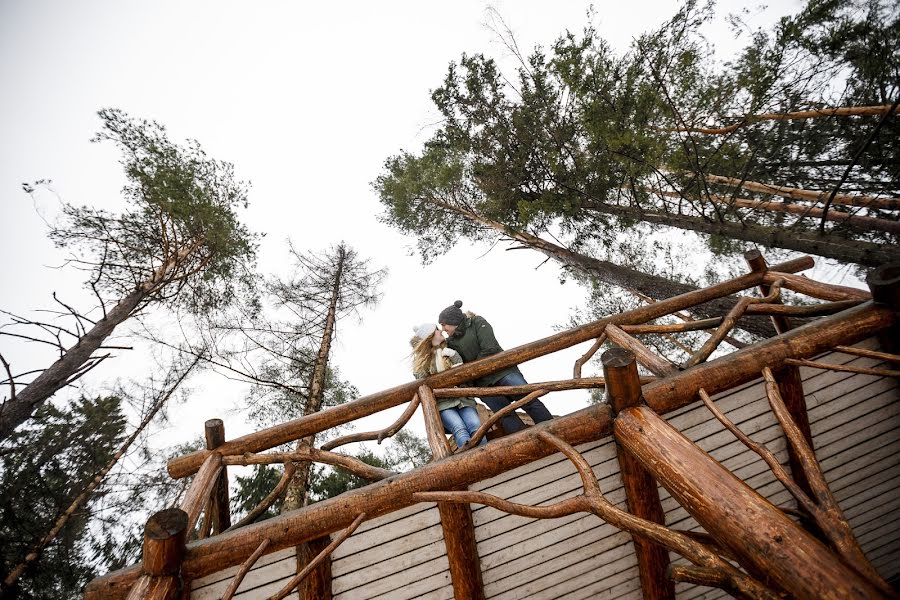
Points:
(462, 422)
(512, 423)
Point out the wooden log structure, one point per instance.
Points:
(220, 512)
(201, 488)
(292, 430)
(230, 549)
(456, 519)
(623, 391)
(645, 356)
(788, 376)
(163, 551)
(763, 538)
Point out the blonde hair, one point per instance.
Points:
(423, 356)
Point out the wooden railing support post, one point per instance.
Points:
(221, 512)
(623, 387)
(163, 552)
(759, 535)
(456, 519)
(884, 283)
(757, 263)
(789, 382)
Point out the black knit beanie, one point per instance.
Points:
(452, 315)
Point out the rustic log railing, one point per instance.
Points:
(859, 319)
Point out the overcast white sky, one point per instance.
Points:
(306, 100)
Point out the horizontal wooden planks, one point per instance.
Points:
(399, 555)
(855, 421)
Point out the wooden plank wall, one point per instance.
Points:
(855, 421)
(270, 573)
(399, 556)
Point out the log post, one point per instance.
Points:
(884, 283)
(761, 537)
(757, 263)
(434, 428)
(456, 519)
(789, 382)
(201, 488)
(623, 390)
(220, 513)
(163, 551)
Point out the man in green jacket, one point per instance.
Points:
(473, 337)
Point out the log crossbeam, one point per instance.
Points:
(729, 322)
(645, 356)
(381, 434)
(309, 454)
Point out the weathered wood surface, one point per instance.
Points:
(857, 435)
(265, 578)
(401, 555)
(623, 391)
(515, 450)
(855, 422)
(762, 538)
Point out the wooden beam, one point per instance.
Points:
(816, 289)
(221, 512)
(583, 383)
(163, 551)
(183, 466)
(698, 325)
(726, 372)
(434, 428)
(456, 519)
(790, 385)
(763, 539)
(624, 390)
(503, 454)
(647, 357)
(757, 263)
(201, 489)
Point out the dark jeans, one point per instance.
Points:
(512, 423)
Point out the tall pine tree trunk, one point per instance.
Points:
(805, 241)
(318, 584)
(67, 368)
(73, 363)
(653, 286)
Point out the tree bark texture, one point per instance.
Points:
(19, 409)
(828, 245)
